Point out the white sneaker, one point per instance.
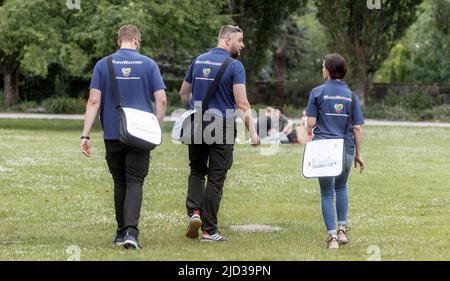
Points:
(216, 237)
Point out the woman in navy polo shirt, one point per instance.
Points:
(329, 110)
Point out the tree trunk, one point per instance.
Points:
(362, 82)
(359, 64)
(11, 84)
(359, 89)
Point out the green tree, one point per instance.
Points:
(442, 16)
(25, 35)
(313, 43)
(36, 34)
(261, 22)
(365, 36)
(287, 50)
(422, 56)
(173, 31)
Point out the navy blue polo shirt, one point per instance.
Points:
(201, 74)
(330, 104)
(138, 77)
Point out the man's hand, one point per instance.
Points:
(85, 147)
(92, 107)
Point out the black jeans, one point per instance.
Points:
(212, 161)
(128, 167)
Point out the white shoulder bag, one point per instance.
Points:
(325, 157)
(185, 120)
(137, 128)
(181, 123)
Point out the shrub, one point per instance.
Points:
(417, 101)
(173, 102)
(441, 113)
(380, 111)
(24, 106)
(65, 105)
(374, 111)
(392, 100)
(292, 111)
(398, 113)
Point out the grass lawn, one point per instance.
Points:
(53, 197)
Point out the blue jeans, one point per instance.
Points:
(330, 185)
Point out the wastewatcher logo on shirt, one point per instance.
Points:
(206, 72)
(338, 107)
(126, 71)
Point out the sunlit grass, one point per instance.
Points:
(53, 197)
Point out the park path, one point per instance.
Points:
(170, 118)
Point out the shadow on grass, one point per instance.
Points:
(56, 125)
(44, 125)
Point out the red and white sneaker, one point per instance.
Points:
(195, 222)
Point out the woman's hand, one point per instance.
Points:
(359, 160)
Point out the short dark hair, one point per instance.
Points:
(279, 108)
(128, 33)
(228, 29)
(336, 65)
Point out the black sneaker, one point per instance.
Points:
(212, 238)
(118, 239)
(130, 241)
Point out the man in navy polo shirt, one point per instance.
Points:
(214, 159)
(139, 81)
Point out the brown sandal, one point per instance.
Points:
(343, 241)
(330, 239)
